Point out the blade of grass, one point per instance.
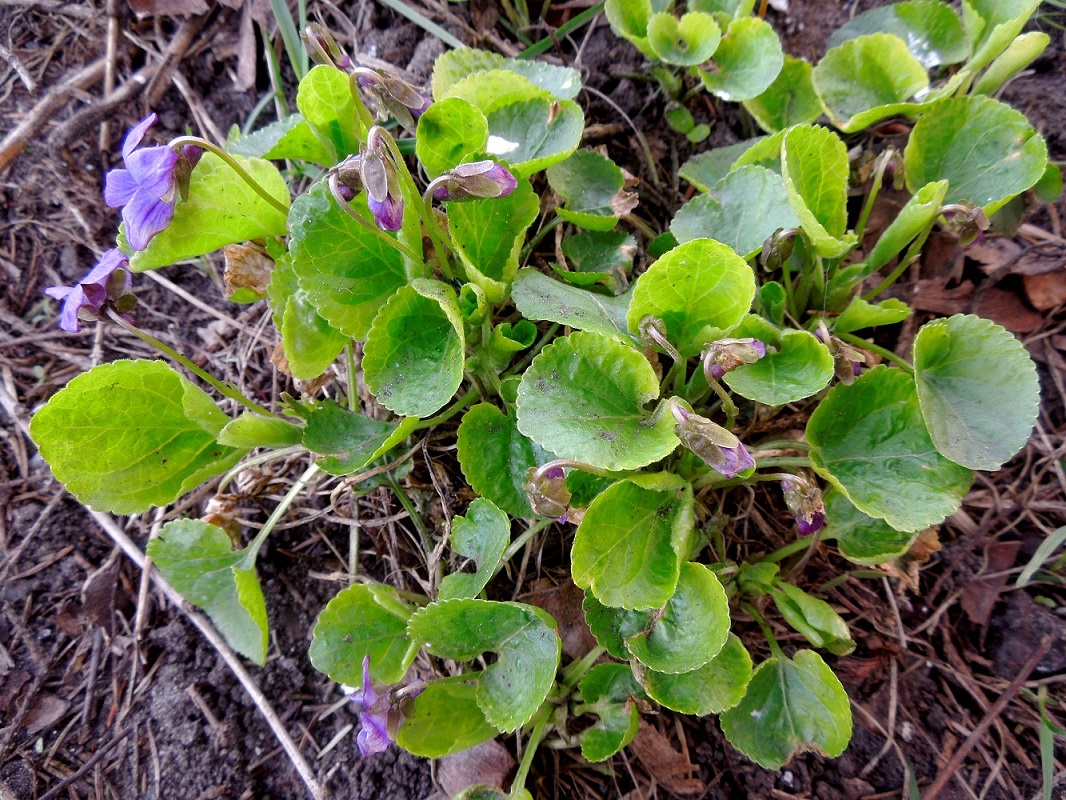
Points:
(426, 24)
(1042, 555)
(562, 31)
(291, 37)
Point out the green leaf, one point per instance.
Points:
(288, 138)
(705, 169)
(347, 272)
(309, 343)
(700, 290)
(629, 19)
(495, 458)
(1022, 52)
(482, 535)
(913, 219)
(866, 79)
(792, 705)
(859, 314)
(591, 187)
(489, 234)
(363, 620)
(221, 209)
(870, 442)
(563, 83)
(349, 440)
(607, 690)
(931, 29)
(814, 164)
(199, 561)
(510, 690)
(450, 133)
(584, 398)
(978, 389)
(491, 89)
(325, 100)
(814, 618)
(251, 430)
(734, 8)
(987, 151)
(612, 626)
(789, 100)
(630, 544)
(992, 25)
(764, 152)
(711, 689)
(414, 355)
(801, 367)
(687, 41)
(742, 210)
(533, 134)
(747, 61)
(692, 628)
(443, 719)
(539, 297)
(862, 539)
(606, 256)
(129, 435)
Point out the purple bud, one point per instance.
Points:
(725, 355)
(381, 713)
(388, 213)
(804, 500)
(108, 283)
(476, 180)
(718, 448)
(548, 493)
(323, 48)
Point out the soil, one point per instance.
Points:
(108, 692)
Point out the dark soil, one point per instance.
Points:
(105, 694)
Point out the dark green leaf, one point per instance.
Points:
(350, 440)
(591, 187)
(607, 690)
(814, 618)
(789, 100)
(862, 539)
(481, 535)
(711, 689)
(539, 297)
(801, 367)
(612, 626)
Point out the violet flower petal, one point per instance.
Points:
(133, 138)
(119, 186)
(68, 316)
(145, 216)
(153, 169)
(373, 738)
(388, 213)
(737, 460)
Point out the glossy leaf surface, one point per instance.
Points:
(449, 133)
(931, 29)
(607, 690)
(801, 367)
(445, 718)
(860, 538)
(746, 62)
(711, 689)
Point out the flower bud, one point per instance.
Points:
(478, 179)
(548, 493)
(725, 355)
(393, 96)
(777, 249)
(966, 221)
(804, 500)
(378, 175)
(323, 48)
(719, 448)
(848, 361)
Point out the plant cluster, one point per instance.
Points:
(594, 394)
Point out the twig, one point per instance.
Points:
(48, 105)
(24, 76)
(120, 538)
(951, 769)
(61, 787)
(110, 55)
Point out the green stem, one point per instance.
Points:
(789, 549)
(875, 189)
(790, 295)
(573, 674)
(231, 162)
(562, 31)
(349, 361)
(376, 231)
(412, 512)
(224, 389)
(365, 119)
(260, 538)
(449, 412)
(783, 461)
(885, 353)
(255, 461)
(728, 406)
(538, 237)
(540, 728)
(437, 234)
(783, 444)
(904, 264)
(520, 542)
(775, 648)
(521, 364)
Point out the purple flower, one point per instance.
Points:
(725, 355)
(323, 48)
(382, 186)
(719, 449)
(478, 179)
(393, 95)
(145, 189)
(548, 493)
(382, 712)
(108, 281)
(804, 500)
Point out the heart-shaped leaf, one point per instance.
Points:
(199, 561)
(531, 135)
(978, 390)
(700, 290)
(867, 79)
(591, 186)
(705, 169)
(346, 271)
(612, 626)
(629, 19)
(491, 89)
(363, 620)
(860, 538)
(288, 138)
(511, 690)
(481, 535)
(584, 398)
(542, 298)
(716, 686)
(630, 544)
(450, 133)
(444, 718)
(692, 628)
(792, 705)
(687, 41)
(814, 164)
(350, 440)
(495, 457)
(607, 690)
(870, 441)
(563, 83)
(801, 367)
(742, 210)
(746, 62)
(931, 29)
(129, 435)
(414, 355)
(987, 151)
(789, 100)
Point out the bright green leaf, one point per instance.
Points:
(992, 25)
(859, 314)
(481, 535)
(288, 138)
(801, 367)
(789, 100)
(700, 290)
(734, 8)
(814, 164)
(539, 297)
(413, 360)
(607, 690)
(444, 718)
(914, 218)
(870, 441)
(630, 544)
(251, 430)
(693, 627)
(531, 135)
(325, 100)
(862, 539)
(711, 689)
(563, 83)
(978, 389)
(449, 133)
(792, 705)
(687, 41)
(363, 620)
(591, 187)
(812, 617)
(527, 647)
(129, 435)
(584, 398)
(746, 62)
(931, 29)
(1022, 52)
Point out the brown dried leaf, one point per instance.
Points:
(979, 596)
(1047, 290)
(246, 51)
(247, 267)
(488, 763)
(563, 601)
(46, 711)
(669, 767)
(168, 8)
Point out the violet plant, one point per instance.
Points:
(608, 401)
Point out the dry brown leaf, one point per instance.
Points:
(168, 8)
(488, 764)
(247, 267)
(1047, 290)
(563, 601)
(46, 711)
(246, 49)
(667, 766)
(979, 596)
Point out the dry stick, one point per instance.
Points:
(48, 105)
(120, 538)
(110, 54)
(952, 767)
